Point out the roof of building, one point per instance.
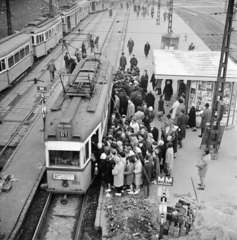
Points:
(190, 65)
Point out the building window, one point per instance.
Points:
(22, 53)
(27, 50)
(10, 62)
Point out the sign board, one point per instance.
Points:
(68, 177)
(165, 181)
(41, 89)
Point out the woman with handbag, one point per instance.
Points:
(161, 109)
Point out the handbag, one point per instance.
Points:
(160, 113)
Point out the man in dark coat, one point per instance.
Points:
(168, 91)
(191, 47)
(192, 118)
(150, 100)
(206, 118)
(72, 64)
(123, 104)
(66, 60)
(182, 122)
(154, 82)
(130, 46)
(133, 62)
(147, 48)
(123, 62)
(155, 133)
(182, 88)
(144, 81)
(147, 171)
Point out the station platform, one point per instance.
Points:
(27, 163)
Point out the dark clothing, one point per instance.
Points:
(123, 105)
(108, 177)
(144, 82)
(133, 63)
(130, 46)
(72, 65)
(192, 118)
(155, 133)
(182, 89)
(191, 47)
(123, 62)
(168, 91)
(150, 100)
(146, 173)
(66, 59)
(182, 122)
(161, 106)
(147, 48)
(154, 82)
(113, 122)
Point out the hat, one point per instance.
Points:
(150, 108)
(160, 143)
(207, 105)
(99, 145)
(123, 116)
(169, 138)
(150, 135)
(155, 143)
(138, 150)
(103, 156)
(116, 158)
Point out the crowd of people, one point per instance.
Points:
(132, 155)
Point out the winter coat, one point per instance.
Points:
(150, 100)
(192, 118)
(51, 67)
(130, 44)
(156, 165)
(123, 62)
(182, 89)
(146, 173)
(182, 121)
(154, 81)
(206, 117)
(103, 169)
(129, 175)
(108, 177)
(147, 48)
(144, 82)
(118, 173)
(168, 91)
(203, 165)
(174, 109)
(139, 116)
(133, 62)
(169, 158)
(66, 59)
(155, 133)
(130, 111)
(138, 172)
(135, 127)
(161, 106)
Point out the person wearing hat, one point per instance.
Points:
(168, 91)
(130, 46)
(169, 157)
(150, 100)
(78, 54)
(144, 81)
(133, 62)
(161, 154)
(192, 118)
(66, 60)
(72, 63)
(182, 121)
(134, 125)
(202, 166)
(118, 173)
(123, 62)
(147, 174)
(130, 110)
(139, 115)
(206, 118)
(138, 174)
(129, 175)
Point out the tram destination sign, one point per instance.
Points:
(41, 89)
(165, 181)
(68, 177)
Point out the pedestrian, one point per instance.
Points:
(168, 92)
(156, 161)
(127, 4)
(144, 81)
(192, 118)
(134, 125)
(147, 170)
(92, 44)
(51, 68)
(130, 110)
(151, 114)
(83, 50)
(44, 113)
(161, 109)
(129, 175)
(191, 47)
(118, 173)
(147, 48)
(138, 11)
(123, 62)
(155, 133)
(66, 60)
(206, 118)
(182, 121)
(169, 158)
(138, 174)
(78, 54)
(161, 154)
(152, 11)
(164, 15)
(133, 62)
(110, 12)
(130, 46)
(182, 88)
(150, 100)
(72, 63)
(202, 166)
(153, 81)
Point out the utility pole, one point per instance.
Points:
(158, 13)
(9, 21)
(50, 9)
(170, 17)
(214, 133)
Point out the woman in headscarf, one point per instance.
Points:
(138, 174)
(118, 173)
(192, 118)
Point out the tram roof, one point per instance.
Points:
(190, 65)
(13, 42)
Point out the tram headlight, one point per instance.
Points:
(65, 183)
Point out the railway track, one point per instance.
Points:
(208, 29)
(42, 76)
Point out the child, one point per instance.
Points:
(161, 110)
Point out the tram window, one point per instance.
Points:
(47, 35)
(50, 34)
(33, 39)
(10, 62)
(42, 37)
(27, 49)
(64, 158)
(87, 150)
(17, 57)
(22, 53)
(2, 65)
(37, 39)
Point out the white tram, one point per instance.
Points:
(16, 56)
(73, 125)
(45, 34)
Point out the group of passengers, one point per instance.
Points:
(131, 154)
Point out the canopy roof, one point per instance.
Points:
(190, 65)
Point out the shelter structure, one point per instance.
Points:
(198, 70)
(170, 41)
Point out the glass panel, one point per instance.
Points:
(2, 65)
(33, 39)
(27, 49)
(87, 150)
(64, 158)
(42, 37)
(37, 39)
(22, 53)
(17, 57)
(10, 61)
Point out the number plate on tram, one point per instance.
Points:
(64, 177)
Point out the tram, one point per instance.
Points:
(75, 125)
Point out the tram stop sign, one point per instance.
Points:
(165, 181)
(41, 89)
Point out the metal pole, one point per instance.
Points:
(50, 9)
(162, 215)
(170, 17)
(9, 22)
(158, 13)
